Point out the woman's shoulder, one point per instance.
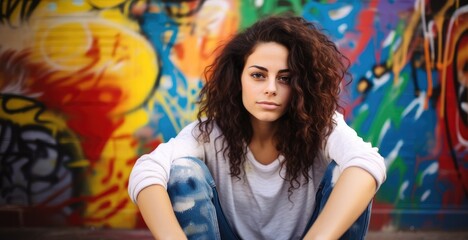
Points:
(340, 122)
(197, 127)
(337, 116)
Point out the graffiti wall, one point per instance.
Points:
(87, 86)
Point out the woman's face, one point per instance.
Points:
(265, 82)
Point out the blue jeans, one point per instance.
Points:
(194, 198)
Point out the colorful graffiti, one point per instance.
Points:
(86, 86)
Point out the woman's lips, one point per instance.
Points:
(268, 105)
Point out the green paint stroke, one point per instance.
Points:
(388, 192)
(388, 109)
(248, 13)
(251, 13)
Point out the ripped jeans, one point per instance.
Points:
(194, 198)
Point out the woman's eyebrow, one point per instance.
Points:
(261, 68)
(266, 70)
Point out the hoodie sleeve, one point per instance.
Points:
(154, 168)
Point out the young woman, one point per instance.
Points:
(270, 156)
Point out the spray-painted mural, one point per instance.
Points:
(86, 86)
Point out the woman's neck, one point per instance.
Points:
(263, 142)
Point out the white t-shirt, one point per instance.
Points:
(257, 206)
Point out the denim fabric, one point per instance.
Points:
(194, 198)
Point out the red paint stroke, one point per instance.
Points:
(178, 49)
(366, 30)
(381, 215)
(110, 171)
(131, 161)
(87, 114)
(150, 145)
(113, 189)
(452, 160)
(105, 205)
(121, 205)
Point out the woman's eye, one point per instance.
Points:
(285, 79)
(257, 75)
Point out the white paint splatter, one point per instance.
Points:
(342, 28)
(431, 169)
(389, 39)
(403, 187)
(417, 102)
(258, 3)
(363, 108)
(384, 131)
(379, 82)
(340, 13)
(425, 195)
(393, 154)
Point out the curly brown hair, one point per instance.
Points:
(317, 69)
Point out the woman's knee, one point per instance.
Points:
(189, 181)
(190, 189)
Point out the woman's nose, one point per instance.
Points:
(271, 87)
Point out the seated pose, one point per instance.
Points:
(270, 156)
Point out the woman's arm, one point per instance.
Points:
(156, 209)
(148, 182)
(362, 172)
(350, 196)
